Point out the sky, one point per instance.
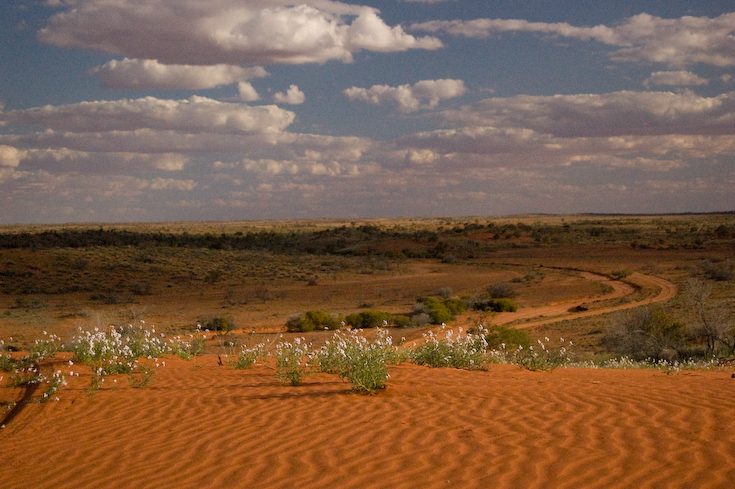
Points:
(219, 110)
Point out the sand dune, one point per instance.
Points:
(215, 427)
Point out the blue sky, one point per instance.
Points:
(161, 110)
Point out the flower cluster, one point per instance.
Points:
(543, 357)
(292, 360)
(463, 350)
(351, 356)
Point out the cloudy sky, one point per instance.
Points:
(161, 110)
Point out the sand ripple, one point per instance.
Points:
(215, 427)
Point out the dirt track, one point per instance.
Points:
(562, 311)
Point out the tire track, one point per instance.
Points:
(667, 291)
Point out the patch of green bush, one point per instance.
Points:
(438, 312)
(620, 274)
(311, 321)
(401, 321)
(497, 336)
(495, 305)
(455, 306)
(219, 323)
(368, 319)
(644, 333)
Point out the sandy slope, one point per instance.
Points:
(431, 428)
(211, 427)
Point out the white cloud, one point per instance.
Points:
(10, 156)
(230, 32)
(59, 160)
(293, 96)
(610, 114)
(368, 31)
(193, 115)
(422, 95)
(677, 42)
(270, 166)
(149, 73)
(675, 78)
(421, 156)
(172, 184)
(247, 92)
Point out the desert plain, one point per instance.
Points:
(202, 423)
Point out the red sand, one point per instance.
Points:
(215, 427)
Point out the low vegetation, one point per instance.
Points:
(70, 272)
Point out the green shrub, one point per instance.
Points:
(401, 321)
(620, 274)
(643, 332)
(438, 312)
(455, 306)
(500, 337)
(495, 305)
(311, 321)
(219, 323)
(367, 319)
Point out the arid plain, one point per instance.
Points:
(201, 423)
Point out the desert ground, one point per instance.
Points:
(202, 423)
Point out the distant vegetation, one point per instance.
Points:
(131, 264)
(465, 240)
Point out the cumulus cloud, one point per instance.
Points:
(10, 156)
(193, 115)
(677, 42)
(172, 184)
(59, 160)
(679, 78)
(271, 167)
(149, 73)
(601, 115)
(409, 98)
(230, 32)
(247, 92)
(293, 96)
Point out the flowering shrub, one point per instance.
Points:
(25, 371)
(118, 351)
(114, 352)
(541, 357)
(351, 356)
(248, 356)
(292, 360)
(56, 382)
(186, 350)
(460, 351)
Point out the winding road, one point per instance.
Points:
(561, 311)
(570, 309)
